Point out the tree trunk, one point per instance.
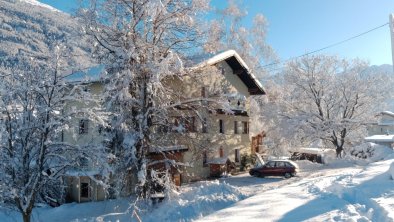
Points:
(339, 152)
(26, 216)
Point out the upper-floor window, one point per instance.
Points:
(221, 152)
(204, 126)
(235, 127)
(245, 127)
(205, 158)
(221, 126)
(190, 124)
(203, 92)
(83, 126)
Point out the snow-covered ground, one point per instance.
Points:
(338, 192)
(341, 191)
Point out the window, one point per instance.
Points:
(204, 126)
(83, 162)
(288, 164)
(85, 190)
(235, 127)
(245, 127)
(237, 155)
(280, 164)
(221, 152)
(163, 129)
(175, 124)
(100, 129)
(221, 126)
(190, 124)
(203, 92)
(270, 164)
(205, 158)
(83, 126)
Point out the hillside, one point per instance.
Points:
(29, 28)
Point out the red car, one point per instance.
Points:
(284, 168)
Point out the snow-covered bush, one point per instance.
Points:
(370, 151)
(391, 170)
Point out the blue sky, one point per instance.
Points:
(297, 27)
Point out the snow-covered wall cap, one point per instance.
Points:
(224, 56)
(388, 113)
(311, 150)
(159, 149)
(37, 3)
(380, 138)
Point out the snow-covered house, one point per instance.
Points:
(83, 182)
(222, 136)
(384, 125)
(215, 135)
(382, 132)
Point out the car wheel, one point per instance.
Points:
(287, 175)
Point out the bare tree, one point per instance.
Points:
(330, 99)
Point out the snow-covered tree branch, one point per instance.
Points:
(33, 118)
(331, 99)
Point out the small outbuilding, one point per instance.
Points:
(220, 166)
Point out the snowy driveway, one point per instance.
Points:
(353, 193)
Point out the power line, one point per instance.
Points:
(327, 47)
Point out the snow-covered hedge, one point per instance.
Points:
(371, 151)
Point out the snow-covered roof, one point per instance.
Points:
(380, 138)
(76, 173)
(387, 113)
(313, 150)
(91, 74)
(234, 60)
(157, 149)
(231, 57)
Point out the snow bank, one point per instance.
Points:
(306, 165)
(195, 201)
(200, 199)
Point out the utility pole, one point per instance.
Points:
(391, 23)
